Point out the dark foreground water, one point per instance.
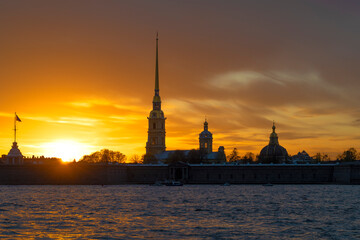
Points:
(188, 212)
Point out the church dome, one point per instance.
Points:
(205, 133)
(274, 152)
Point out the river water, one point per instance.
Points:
(187, 212)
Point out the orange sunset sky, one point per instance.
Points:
(80, 74)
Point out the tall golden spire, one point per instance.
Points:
(157, 68)
(156, 131)
(157, 99)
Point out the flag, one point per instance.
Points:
(17, 118)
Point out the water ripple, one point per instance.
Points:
(189, 212)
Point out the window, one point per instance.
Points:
(162, 126)
(206, 145)
(154, 125)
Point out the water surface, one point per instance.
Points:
(187, 212)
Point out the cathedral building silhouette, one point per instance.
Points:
(155, 145)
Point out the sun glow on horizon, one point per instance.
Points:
(67, 150)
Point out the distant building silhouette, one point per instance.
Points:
(302, 157)
(14, 156)
(273, 153)
(156, 129)
(205, 139)
(30, 160)
(203, 155)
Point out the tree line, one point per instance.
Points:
(106, 156)
(349, 155)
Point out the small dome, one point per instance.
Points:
(156, 114)
(14, 151)
(205, 134)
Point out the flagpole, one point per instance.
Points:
(15, 127)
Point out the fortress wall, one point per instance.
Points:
(342, 174)
(355, 174)
(261, 174)
(347, 173)
(62, 174)
(147, 173)
(197, 174)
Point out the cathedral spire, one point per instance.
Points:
(157, 99)
(157, 67)
(156, 130)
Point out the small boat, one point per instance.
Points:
(226, 184)
(268, 185)
(173, 183)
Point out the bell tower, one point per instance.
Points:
(206, 139)
(156, 129)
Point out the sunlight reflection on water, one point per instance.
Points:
(188, 212)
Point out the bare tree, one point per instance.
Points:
(104, 156)
(135, 159)
(233, 156)
(348, 155)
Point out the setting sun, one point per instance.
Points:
(67, 150)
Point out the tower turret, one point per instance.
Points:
(205, 139)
